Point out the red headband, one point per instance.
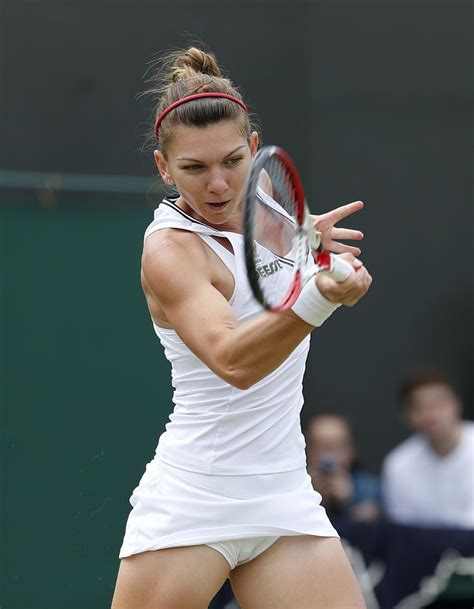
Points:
(196, 96)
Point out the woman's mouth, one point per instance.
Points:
(218, 205)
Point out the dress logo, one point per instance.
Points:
(265, 270)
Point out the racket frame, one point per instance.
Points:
(305, 232)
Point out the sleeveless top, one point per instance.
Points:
(216, 428)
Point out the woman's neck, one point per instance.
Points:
(233, 224)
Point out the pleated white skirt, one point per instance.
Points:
(174, 507)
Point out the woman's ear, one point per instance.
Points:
(162, 167)
(254, 142)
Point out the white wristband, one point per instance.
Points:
(312, 306)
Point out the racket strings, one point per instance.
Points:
(283, 189)
(276, 232)
(276, 237)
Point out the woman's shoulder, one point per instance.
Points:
(172, 247)
(170, 224)
(170, 235)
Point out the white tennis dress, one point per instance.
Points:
(231, 464)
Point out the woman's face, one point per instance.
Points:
(209, 166)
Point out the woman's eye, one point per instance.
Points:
(192, 167)
(234, 160)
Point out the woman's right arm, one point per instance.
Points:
(180, 279)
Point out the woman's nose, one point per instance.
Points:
(217, 184)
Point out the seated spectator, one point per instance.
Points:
(347, 490)
(428, 479)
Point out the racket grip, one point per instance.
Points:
(340, 269)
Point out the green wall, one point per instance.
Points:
(85, 394)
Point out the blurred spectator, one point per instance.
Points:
(347, 490)
(428, 479)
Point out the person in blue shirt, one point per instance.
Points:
(348, 490)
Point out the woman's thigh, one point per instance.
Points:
(304, 571)
(170, 579)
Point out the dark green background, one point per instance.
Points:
(87, 392)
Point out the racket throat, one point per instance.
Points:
(323, 260)
(292, 294)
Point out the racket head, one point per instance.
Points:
(276, 245)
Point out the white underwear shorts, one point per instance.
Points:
(239, 551)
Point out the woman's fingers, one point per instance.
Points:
(347, 233)
(348, 257)
(347, 292)
(346, 210)
(338, 214)
(332, 236)
(341, 248)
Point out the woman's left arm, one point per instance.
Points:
(330, 234)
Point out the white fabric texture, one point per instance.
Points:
(420, 487)
(173, 507)
(312, 306)
(231, 464)
(214, 427)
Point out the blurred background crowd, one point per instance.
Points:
(426, 480)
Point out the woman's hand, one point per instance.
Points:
(349, 291)
(325, 224)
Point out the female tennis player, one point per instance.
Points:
(227, 494)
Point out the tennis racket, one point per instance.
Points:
(282, 248)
